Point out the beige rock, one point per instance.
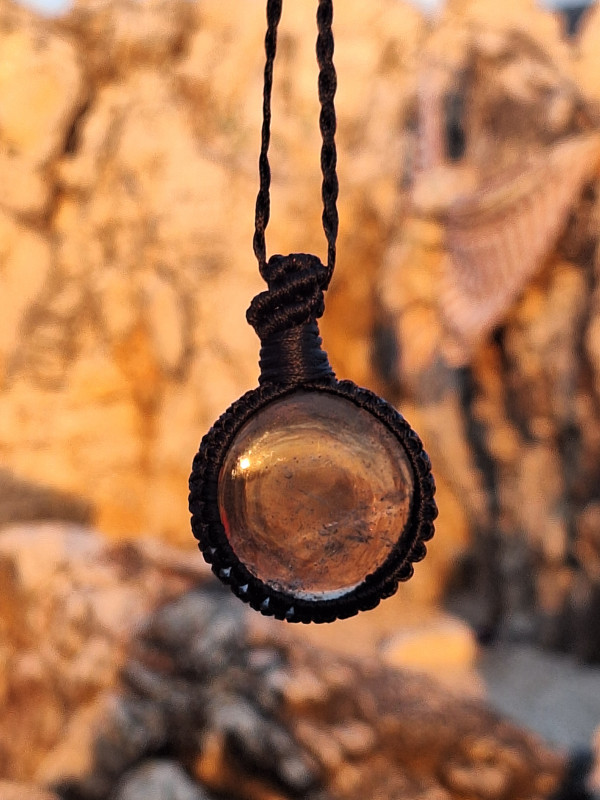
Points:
(65, 623)
(132, 338)
(441, 642)
(42, 91)
(484, 781)
(420, 325)
(441, 646)
(511, 424)
(110, 658)
(588, 62)
(148, 315)
(525, 16)
(21, 791)
(40, 84)
(27, 192)
(25, 264)
(118, 36)
(128, 338)
(355, 738)
(594, 779)
(320, 744)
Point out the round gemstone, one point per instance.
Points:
(314, 494)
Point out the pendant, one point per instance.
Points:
(312, 502)
(311, 497)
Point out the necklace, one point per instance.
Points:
(311, 497)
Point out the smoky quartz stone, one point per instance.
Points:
(314, 494)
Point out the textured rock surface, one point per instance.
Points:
(124, 664)
(68, 608)
(588, 61)
(21, 791)
(115, 351)
(122, 324)
(42, 90)
(128, 153)
(158, 780)
(510, 414)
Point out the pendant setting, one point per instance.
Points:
(313, 500)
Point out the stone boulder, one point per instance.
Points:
(125, 321)
(126, 672)
(21, 791)
(489, 304)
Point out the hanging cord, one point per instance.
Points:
(327, 125)
(285, 316)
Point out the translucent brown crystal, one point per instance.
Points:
(314, 494)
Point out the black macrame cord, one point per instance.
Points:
(291, 360)
(284, 317)
(208, 529)
(327, 125)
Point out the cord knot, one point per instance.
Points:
(295, 295)
(284, 317)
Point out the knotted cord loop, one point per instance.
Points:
(284, 317)
(294, 297)
(327, 124)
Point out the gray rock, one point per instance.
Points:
(158, 780)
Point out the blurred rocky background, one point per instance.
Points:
(467, 292)
(130, 675)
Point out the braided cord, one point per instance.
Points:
(263, 200)
(327, 125)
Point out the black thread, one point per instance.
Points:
(327, 123)
(263, 202)
(284, 317)
(295, 294)
(294, 356)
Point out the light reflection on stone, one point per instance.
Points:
(314, 494)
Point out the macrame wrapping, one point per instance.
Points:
(285, 319)
(208, 528)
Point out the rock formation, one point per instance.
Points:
(129, 136)
(128, 146)
(133, 235)
(21, 791)
(121, 681)
(490, 286)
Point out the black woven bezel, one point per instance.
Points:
(210, 533)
